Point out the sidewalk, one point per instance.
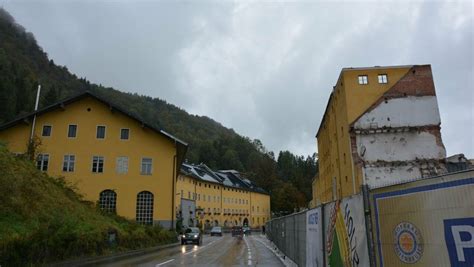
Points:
(263, 239)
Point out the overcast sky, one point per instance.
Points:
(264, 69)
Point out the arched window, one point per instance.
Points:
(145, 208)
(108, 201)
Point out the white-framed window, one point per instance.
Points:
(146, 166)
(108, 201)
(98, 164)
(122, 165)
(42, 162)
(100, 132)
(72, 131)
(363, 79)
(208, 198)
(383, 78)
(124, 134)
(189, 194)
(144, 212)
(68, 163)
(203, 197)
(47, 130)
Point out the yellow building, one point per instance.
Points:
(113, 158)
(221, 198)
(312, 203)
(381, 126)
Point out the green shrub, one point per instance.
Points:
(44, 219)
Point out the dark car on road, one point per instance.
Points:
(237, 231)
(193, 235)
(216, 230)
(247, 230)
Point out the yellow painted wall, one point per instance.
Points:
(224, 199)
(260, 209)
(314, 193)
(361, 97)
(348, 101)
(142, 142)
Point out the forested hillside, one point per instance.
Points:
(24, 65)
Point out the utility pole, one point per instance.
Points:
(34, 116)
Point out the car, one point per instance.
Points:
(237, 231)
(246, 230)
(193, 235)
(216, 230)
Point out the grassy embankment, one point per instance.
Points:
(42, 219)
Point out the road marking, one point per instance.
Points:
(163, 263)
(249, 252)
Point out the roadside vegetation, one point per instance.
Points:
(43, 220)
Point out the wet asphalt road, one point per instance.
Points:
(214, 251)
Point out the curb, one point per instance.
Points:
(108, 258)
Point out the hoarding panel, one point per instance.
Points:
(425, 223)
(345, 233)
(314, 236)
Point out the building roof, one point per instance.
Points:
(376, 68)
(180, 145)
(228, 178)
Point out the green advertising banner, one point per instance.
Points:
(345, 233)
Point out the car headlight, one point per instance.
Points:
(183, 236)
(195, 236)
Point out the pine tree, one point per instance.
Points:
(51, 96)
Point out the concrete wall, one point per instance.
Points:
(399, 146)
(378, 176)
(402, 112)
(399, 140)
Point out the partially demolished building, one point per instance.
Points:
(381, 126)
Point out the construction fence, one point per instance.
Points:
(426, 222)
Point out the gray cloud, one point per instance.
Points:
(264, 69)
